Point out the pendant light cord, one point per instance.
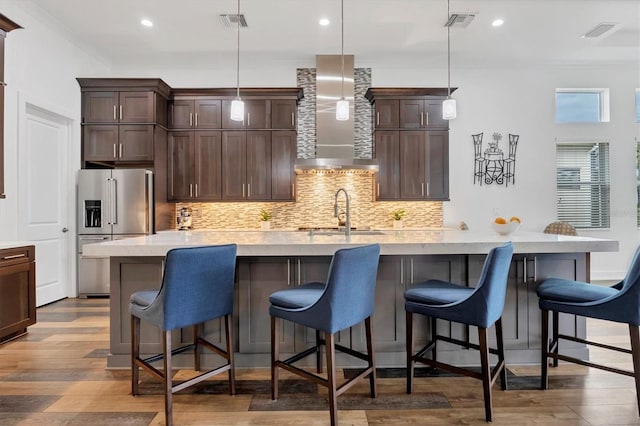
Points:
(238, 55)
(448, 53)
(342, 41)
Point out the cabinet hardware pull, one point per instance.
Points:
(293, 189)
(535, 269)
(114, 113)
(14, 256)
(402, 272)
(288, 272)
(427, 118)
(120, 151)
(190, 190)
(190, 119)
(411, 270)
(196, 190)
(378, 189)
(421, 118)
(524, 271)
(428, 192)
(243, 190)
(422, 188)
(248, 190)
(377, 118)
(120, 112)
(2, 83)
(115, 153)
(293, 120)
(299, 274)
(196, 120)
(248, 119)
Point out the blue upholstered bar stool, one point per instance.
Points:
(197, 286)
(346, 299)
(481, 306)
(618, 303)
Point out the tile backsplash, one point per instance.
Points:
(314, 207)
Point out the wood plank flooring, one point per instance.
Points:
(56, 375)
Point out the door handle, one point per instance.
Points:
(65, 229)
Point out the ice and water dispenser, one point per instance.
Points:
(92, 213)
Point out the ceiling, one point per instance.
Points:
(399, 32)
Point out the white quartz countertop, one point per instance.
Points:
(13, 244)
(300, 243)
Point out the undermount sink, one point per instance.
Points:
(337, 231)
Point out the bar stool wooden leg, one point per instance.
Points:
(635, 354)
(135, 354)
(544, 361)
(318, 353)
(555, 341)
(372, 358)
(486, 372)
(331, 377)
(168, 393)
(275, 356)
(409, 331)
(228, 325)
(500, 344)
(434, 333)
(196, 347)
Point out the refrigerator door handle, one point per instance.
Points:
(114, 201)
(107, 201)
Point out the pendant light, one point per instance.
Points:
(342, 107)
(449, 105)
(237, 105)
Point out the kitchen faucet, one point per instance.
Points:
(347, 231)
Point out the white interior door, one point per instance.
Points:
(44, 198)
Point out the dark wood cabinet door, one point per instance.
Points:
(258, 165)
(437, 168)
(387, 149)
(181, 114)
(180, 166)
(256, 113)
(283, 157)
(17, 290)
(135, 143)
(234, 165)
(283, 114)
(208, 165)
(412, 165)
(208, 114)
(387, 114)
(412, 114)
(434, 118)
(100, 107)
(136, 107)
(100, 142)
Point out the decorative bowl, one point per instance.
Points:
(505, 228)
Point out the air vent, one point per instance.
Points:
(600, 30)
(231, 20)
(460, 20)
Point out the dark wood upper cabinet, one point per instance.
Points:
(283, 157)
(411, 143)
(199, 113)
(284, 114)
(6, 25)
(257, 113)
(246, 169)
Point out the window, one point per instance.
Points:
(583, 186)
(582, 105)
(637, 105)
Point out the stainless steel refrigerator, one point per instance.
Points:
(112, 204)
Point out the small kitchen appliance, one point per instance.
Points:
(184, 219)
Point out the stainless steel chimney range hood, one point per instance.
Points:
(334, 139)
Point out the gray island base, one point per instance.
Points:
(272, 260)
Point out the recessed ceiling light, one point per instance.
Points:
(324, 22)
(146, 22)
(497, 22)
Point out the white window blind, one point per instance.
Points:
(583, 184)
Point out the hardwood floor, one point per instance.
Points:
(56, 375)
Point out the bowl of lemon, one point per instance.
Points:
(505, 226)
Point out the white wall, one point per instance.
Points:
(42, 65)
(519, 100)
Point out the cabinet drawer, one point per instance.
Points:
(15, 255)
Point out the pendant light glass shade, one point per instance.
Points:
(237, 105)
(342, 110)
(237, 110)
(449, 109)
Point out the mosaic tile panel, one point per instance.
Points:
(314, 207)
(363, 140)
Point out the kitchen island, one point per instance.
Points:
(272, 260)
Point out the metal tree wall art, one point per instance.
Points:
(493, 165)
